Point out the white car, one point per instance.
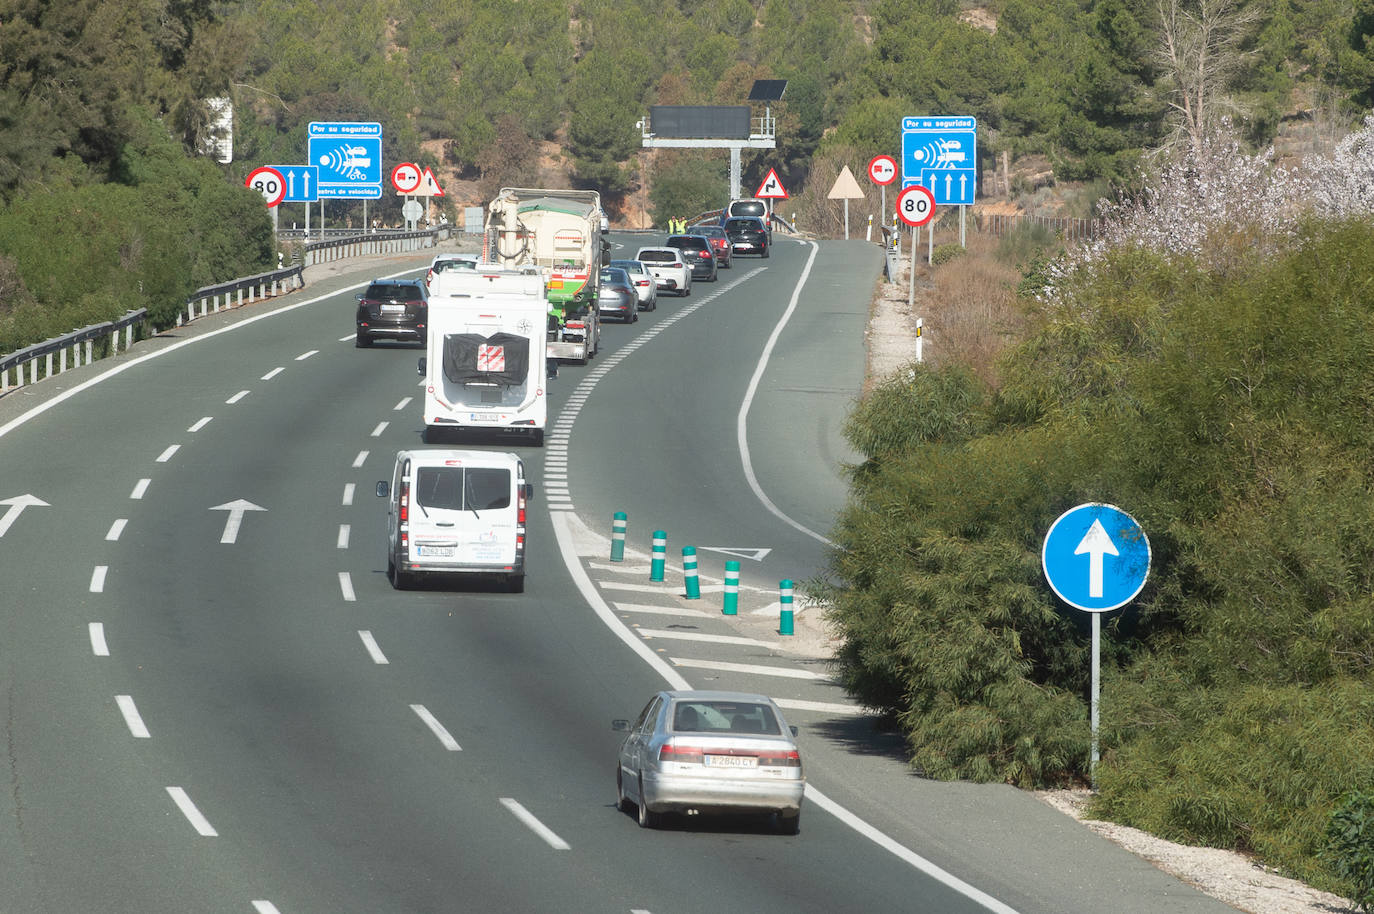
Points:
(449, 262)
(671, 272)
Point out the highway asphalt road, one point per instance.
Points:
(214, 700)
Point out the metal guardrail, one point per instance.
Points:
(892, 250)
(80, 345)
(68, 344)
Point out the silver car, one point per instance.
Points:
(646, 287)
(708, 752)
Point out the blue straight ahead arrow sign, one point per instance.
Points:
(302, 183)
(1096, 557)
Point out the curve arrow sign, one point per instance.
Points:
(236, 511)
(17, 505)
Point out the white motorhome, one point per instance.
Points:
(486, 358)
(456, 512)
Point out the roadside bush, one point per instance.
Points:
(1350, 846)
(945, 253)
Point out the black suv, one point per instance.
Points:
(747, 235)
(393, 309)
(696, 250)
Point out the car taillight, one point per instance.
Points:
(789, 759)
(520, 522)
(687, 755)
(404, 513)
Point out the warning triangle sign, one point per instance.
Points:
(846, 188)
(771, 188)
(428, 186)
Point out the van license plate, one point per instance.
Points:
(434, 551)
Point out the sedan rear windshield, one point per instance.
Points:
(658, 257)
(749, 208)
(463, 488)
(725, 717)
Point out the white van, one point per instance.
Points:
(456, 512)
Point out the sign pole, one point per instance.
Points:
(962, 211)
(930, 241)
(882, 191)
(911, 285)
(1096, 686)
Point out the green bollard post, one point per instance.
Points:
(689, 572)
(619, 522)
(731, 607)
(660, 556)
(785, 601)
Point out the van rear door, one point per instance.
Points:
(463, 517)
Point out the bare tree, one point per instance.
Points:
(1201, 50)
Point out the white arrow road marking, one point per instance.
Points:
(236, 511)
(17, 505)
(188, 809)
(1096, 543)
(534, 825)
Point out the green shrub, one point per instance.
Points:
(1350, 846)
(947, 252)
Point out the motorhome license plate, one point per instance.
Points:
(434, 551)
(484, 417)
(732, 761)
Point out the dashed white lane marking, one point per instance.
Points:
(403, 404)
(346, 587)
(188, 809)
(167, 454)
(305, 355)
(343, 536)
(360, 459)
(348, 493)
(445, 738)
(534, 825)
(116, 529)
(98, 645)
(140, 489)
(236, 397)
(132, 717)
(201, 424)
(98, 578)
(381, 427)
(720, 665)
(265, 907)
(373, 648)
(698, 636)
(272, 374)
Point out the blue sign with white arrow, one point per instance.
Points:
(302, 183)
(348, 156)
(1096, 557)
(941, 154)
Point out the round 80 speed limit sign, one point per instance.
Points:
(268, 182)
(915, 205)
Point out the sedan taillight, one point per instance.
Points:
(791, 758)
(687, 755)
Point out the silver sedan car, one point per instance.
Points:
(646, 287)
(709, 752)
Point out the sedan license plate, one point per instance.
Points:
(434, 551)
(732, 761)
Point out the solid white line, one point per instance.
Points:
(697, 636)
(131, 716)
(360, 459)
(98, 578)
(188, 809)
(403, 404)
(445, 738)
(305, 355)
(167, 454)
(262, 906)
(98, 645)
(343, 536)
(534, 825)
(742, 420)
(784, 672)
(236, 397)
(346, 586)
(373, 648)
(381, 427)
(348, 493)
(201, 424)
(116, 529)
(859, 825)
(272, 374)
(831, 707)
(140, 489)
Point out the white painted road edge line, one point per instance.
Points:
(188, 809)
(131, 716)
(534, 825)
(445, 738)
